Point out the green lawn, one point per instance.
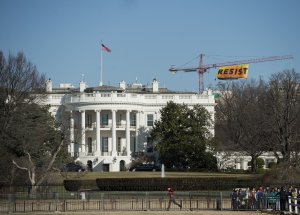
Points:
(59, 177)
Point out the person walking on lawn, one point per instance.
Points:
(172, 198)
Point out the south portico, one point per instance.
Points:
(105, 137)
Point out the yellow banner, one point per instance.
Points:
(233, 72)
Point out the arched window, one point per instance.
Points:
(122, 165)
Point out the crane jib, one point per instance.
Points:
(205, 67)
(232, 63)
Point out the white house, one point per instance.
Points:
(109, 123)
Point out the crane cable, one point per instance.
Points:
(218, 57)
(197, 57)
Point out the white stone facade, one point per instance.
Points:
(239, 161)
(108, 124)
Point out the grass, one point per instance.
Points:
(59, 177)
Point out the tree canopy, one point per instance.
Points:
(282, 111)
(30, 138)
(255, 117)
(38, 144)
(182, 135)
(240, 124)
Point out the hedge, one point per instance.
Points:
(183, 184)
(160, 184)
(75, 185)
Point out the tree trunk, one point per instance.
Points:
(253, 163)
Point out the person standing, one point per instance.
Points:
(272, 199)
(172, 198)
(294, 195)
(253, 198)
(234, 199)
(259, 198)
(283, 198)
(264, 196)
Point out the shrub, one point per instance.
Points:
(72, 185)
(260, 163)
(282, 174)
(183, 183)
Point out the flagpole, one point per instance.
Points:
(100, 68)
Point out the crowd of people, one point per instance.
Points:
(263, 198)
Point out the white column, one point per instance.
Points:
(82, 131)
(114, 134)
(137, 126)
(71, 134)
(128, 133)
(98, 132)
(244, 164)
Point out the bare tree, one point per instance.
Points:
(257, 117)
(20, 83)
(239, 125)
(29, 135)
(282, 109)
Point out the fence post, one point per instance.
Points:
(160, 202)
(190, 200)
(11, 202)
(63, 206)
(147, 201)
(221, 201)
(208, 200)
(181, 201)
(296, 206)
(102, 201)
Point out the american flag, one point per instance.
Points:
(104, 48)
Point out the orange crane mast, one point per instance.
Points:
(203, 68)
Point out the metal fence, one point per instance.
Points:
(135, 204)
(86, 200)
(55, 198)
(294, 205)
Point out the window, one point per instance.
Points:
(132, 120)
(133, 143)
(104, 144)
(119, 119)
(119, 144)
(149, 144)
(89, 120)
(105, 167)
(149, 119)
(90, 145)
(104, 119)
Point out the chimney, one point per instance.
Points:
(122, 85)
(49, 85)
(155, 86)
(82, 86)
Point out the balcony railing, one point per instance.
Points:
(77, 154)
(138, 98)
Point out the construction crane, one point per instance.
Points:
(203, 68)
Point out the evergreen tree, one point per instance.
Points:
(182, 137)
